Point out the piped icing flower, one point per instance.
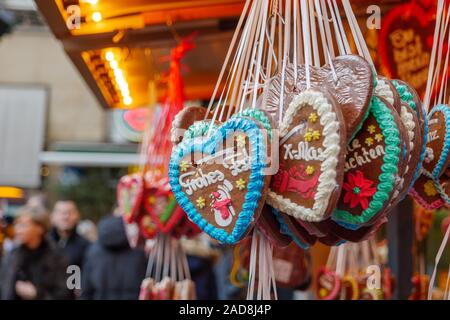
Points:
(310, 170)
(369, 141)
(201, 202)
(358, 190)
(184, 165)
(371, 129)
(240, 141)
(430, 188)
(241, 184)
(379, 137)
(313, 117)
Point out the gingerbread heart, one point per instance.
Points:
(328, 284)
(349, 288)
(348, 78)
(130, 191)
(426, 194)
(386, 90)
(300, 236)
(291, 267)
(147, 226)
(411, 122)
(219, 181)
(372, 164)
(162, 207)
(185, 119)
(312, 152)
(438, 147)
(411, 97)
(185, 228)
(269, 226)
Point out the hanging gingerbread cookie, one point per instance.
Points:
(311, 157)
(372, 163)
(437, 157)
(349, 79)
(219, 180)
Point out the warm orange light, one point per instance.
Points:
(127, 101)
(97, 16)
(109, 56)
(93, 2)
(11, 193)
(114, 64)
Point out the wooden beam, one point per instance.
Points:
(400, 238)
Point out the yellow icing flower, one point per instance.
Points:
(241, 184)
(430, 188)
(369, 141)
(184, 165)
(310, 170)
(313, 117)
(371, 129)
(240, 141)
(309, 135)
(201, 202)
(316, 135)
(379, 137)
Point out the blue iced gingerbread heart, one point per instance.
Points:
(219, 180)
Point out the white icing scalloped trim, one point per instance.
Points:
(331, 143)
(384, 90)
(408, 121)
(176, 124)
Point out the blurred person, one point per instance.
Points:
(34, 270)
(88, 230)
(64, 219)
(112, 269)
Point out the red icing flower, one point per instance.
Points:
(358, 190)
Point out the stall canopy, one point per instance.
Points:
(119, 46)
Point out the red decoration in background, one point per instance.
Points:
(358, 190)
(155, 209)
(405, 43)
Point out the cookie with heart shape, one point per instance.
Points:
(349, 79)
(372, 164)
(269, 226)
(386, 90)
(147, 226)
(288, 227)
(328, 284)
(292, 267)
(411, 122)
(437, 158)
(349, 288)
(185, 119)
(409, 95)
(426, 194)
(311, 157)
(185, 228)
(219, 179)
(162, 207)
(130, 191)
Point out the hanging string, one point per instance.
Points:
(436, 262)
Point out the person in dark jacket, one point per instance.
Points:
(112, 269)
(34, 270)
(64, 218)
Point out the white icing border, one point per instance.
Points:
(331, 143)
(384, 90)
(408, 121)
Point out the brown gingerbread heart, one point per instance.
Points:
(438, 147)
(386, 90)
(186, 118)
(269, 226)
(373, 161)
(426, 194)
(349, 79)
(312, 152)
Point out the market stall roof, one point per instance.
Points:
(118, 46)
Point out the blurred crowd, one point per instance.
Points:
(51, 254)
